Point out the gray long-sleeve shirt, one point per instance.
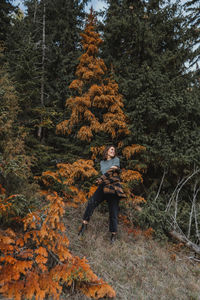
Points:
(107, 164)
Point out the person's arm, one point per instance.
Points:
(116, 166)
(116, 163)
(107, 176)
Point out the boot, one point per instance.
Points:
(113, 238)
(82, 229)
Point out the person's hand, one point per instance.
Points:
(114, 167)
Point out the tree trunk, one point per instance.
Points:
(43, 62)
(35, 11)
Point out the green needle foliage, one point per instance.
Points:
(44, 50)
(6, 8)
(149, 45)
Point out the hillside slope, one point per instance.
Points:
(137, 268)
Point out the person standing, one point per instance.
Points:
(109, 189)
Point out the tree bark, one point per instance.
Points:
(43, 62)
(35, 11)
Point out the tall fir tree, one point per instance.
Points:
(45, 44)
(192, 10)
(15, 165)
(149, 44)
(149, 48)
(6, 8)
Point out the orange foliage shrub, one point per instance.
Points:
(131, 229)
(2, 190)
(66, 175)
(131, 150)
(37, 263)
(92, 190)
(130, 175)
(97, 151)
(6, 209)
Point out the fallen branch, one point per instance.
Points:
(186, 242)
(193, 258)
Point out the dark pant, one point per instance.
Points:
(113, 205)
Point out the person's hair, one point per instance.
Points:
(105, 152)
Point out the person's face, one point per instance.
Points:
(111, 152)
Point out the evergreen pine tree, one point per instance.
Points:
(6, 8)
(149, 45)
(192, 9)
(15, 164)
(46, 39)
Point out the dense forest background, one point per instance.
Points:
(149, 61)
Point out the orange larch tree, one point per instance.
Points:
(97, 117)
(96, 106)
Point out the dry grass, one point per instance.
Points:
(136, 268)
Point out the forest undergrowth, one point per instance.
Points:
(135, 266)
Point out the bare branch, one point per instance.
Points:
(195, 220)
(161, 183)
(35, 11)
(193, 210)
(178, 188)
(190, 219)
(53, 255)
(173, 195)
